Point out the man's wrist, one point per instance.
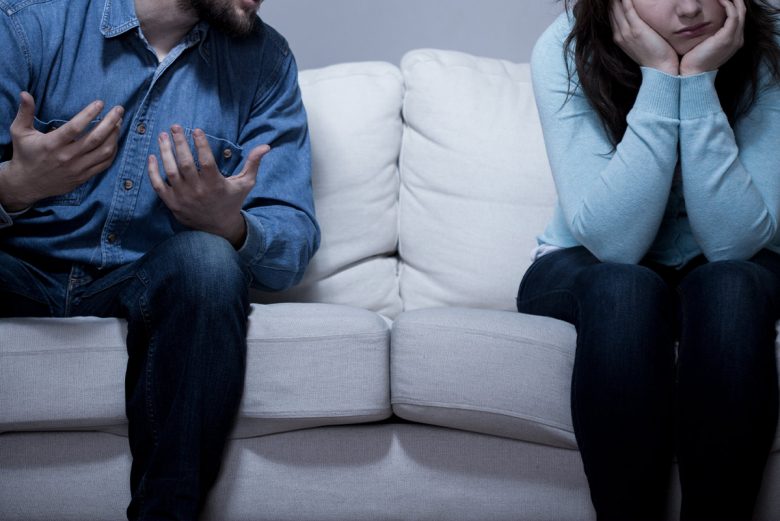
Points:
(235, 231)
(8, 199)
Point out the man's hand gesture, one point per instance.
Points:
(45, 165)
(203, 199)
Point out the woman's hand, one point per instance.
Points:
(716, 50)
(639, 41)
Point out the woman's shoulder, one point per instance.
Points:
(548, 52)
(553, 38)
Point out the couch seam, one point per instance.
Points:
(302, 415)
(465, 407)
(382, 334)
(59, 349)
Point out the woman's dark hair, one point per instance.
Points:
(610, 79)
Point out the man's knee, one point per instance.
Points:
(201, 267)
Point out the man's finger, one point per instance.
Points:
(70, 131)
(169, 159)
(252, 165)
(153, 170)
(25, 117)
(107, 151)
(208, 166)
(105, 129)
(184, 159)
(98, 168)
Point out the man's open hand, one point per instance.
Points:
(203, 199)
(45, 165)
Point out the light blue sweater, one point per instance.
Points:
(718, 194)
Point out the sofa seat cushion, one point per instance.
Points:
(313, 365)
(307, 365)
(493, 372)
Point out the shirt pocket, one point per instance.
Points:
(75, 196)
(227, 155)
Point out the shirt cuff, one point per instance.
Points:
(659, 94)
(5, 218)
(698, 97)
(254, 243)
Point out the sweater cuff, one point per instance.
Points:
(698, 97)
(659, 94)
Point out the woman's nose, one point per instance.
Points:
(688, 8)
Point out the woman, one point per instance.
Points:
(662, 125)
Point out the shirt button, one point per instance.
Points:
(227, 153)
(111, 238)
(141, 128)
(128, 184)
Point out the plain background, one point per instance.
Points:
(325, 32)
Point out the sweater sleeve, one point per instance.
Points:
(731, 177)
(612, 199)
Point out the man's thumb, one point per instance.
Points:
(25, 116)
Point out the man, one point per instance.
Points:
(131, 134)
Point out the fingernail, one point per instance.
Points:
(120, 111)
(163, 136)
(198, 132)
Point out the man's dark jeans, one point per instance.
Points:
(637, 401)
(186, 303)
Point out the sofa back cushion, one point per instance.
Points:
(475, 183)
(354, 112)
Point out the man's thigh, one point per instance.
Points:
(26, 291)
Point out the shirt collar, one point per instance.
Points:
(118, 17)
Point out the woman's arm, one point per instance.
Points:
(613, 200)
(731, 178)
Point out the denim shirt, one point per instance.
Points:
(241, 92)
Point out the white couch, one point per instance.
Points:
(396, 382)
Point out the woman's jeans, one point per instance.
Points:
(638, 398)
(186, 304)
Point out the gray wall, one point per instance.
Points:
(324, 32)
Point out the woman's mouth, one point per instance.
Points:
(693, 31)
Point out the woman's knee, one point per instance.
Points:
(730, 290)
(623, 289)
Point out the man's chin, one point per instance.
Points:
(240, 25)
(238, 20)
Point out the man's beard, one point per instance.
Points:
(222, 15)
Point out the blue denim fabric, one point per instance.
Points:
(186, 304)
(242, 93)
(636, 401)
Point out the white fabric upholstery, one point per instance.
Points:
(494, 372)
(475, 184)
(440, 208)
(354, 115)
(307, 365)
(350, 473)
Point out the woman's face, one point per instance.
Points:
(682, 23)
